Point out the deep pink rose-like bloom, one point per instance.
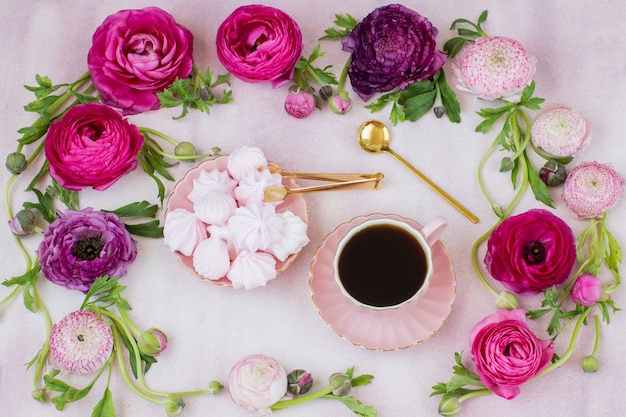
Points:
(592, 188)
(91, 146)
(256, 382)
(259, 43)
(494, 67)
(587, 290)
(300, 104)
(530, 252)
(507, 353)
(81, 246)
(391, 47)
(136, 54)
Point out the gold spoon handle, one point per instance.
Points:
(280, 193)
(320, 176)
(435, 187)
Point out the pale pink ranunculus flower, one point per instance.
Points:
(561, 131)
(591, 189)
(507, 353)
(586, 290)
(80, 342)
(258, 43)
(256, 382)
(136, 54)
(300, 104)
(494, 67)
(92, 145)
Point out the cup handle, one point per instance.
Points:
(434, 229)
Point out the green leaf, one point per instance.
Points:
(67, 197)
(418, 105)
(448, 98)
(28, 278)
(137, 209)
(362, 380)
(453, 46)
(346, 24)
(396, 115)
(105, 407)
(44, 206)
(356, 406)
(148, 229)
(539, 188)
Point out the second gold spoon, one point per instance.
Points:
(374, 137)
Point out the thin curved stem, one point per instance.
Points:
(344, 74)
(596, 342)
(43, 354)
(475, 393)
(481, 165)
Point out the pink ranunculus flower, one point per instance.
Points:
(587, 290)
(507, 353)
(300, 104)
(530, 252)
(259, 43)
(91, 146)
(592, 188)
(136, 54)
(561, 131)
(256, 382)
(494, 67)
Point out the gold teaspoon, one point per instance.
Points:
(374, 137)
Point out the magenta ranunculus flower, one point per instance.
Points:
(81, 246)
(136, 54)
(494, 67)
(507, 353)
(587, 290)
(91, 146)
(300, 104)
(592, 188)
(390, 48)
(256, 382)
(530, 252)
(81, 343)
(259, 43)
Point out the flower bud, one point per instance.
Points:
(587, 290)
(152, 342)
(16, 162)
(215, 387)
(299, 382)
(326, 92)
(340, 103)
(507, 301)
(300, 104)
(449, 407)
(40, 395)
(590, 363)
(23, 223)
(340, 384)
(173, 404)
(184, 149)
(553, 173)
(206, 93)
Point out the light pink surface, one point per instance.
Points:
(581, 62)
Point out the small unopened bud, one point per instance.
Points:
(206, 93)
(299, 382)
(340, 103)
(40, 395)
(507, 301)
(449, 407)
(340, 384)
(215, 387)
(152, 342)
(326, 92)
(16, 162)
(173, 404)
(553, 173)
(590, 363)
(439, 111)
(23, 223)
(184, 149)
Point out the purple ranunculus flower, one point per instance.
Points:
(530, 252)
(136, 54)
(81, 246)
(391, 47)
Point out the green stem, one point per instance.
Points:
(312, 74)
(342, 77)
(43, 355)
(481, 166)
(299, 400)
(596, 343)
(10, 296)
(162, 135)
(475, 393)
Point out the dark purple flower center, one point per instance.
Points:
(534, 253)
(89, 248)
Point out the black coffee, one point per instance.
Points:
(382, 265)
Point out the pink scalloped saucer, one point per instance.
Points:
(381, 329)
(294, 202)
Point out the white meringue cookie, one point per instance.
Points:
(214, 207)
(251, 188)
(252, 269)
(223, 232)
(255, 227)
(210, 259)
(244, 160)
(293, 236)
(183, 231)
(213, 180)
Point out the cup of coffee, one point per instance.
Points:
(385, 263)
